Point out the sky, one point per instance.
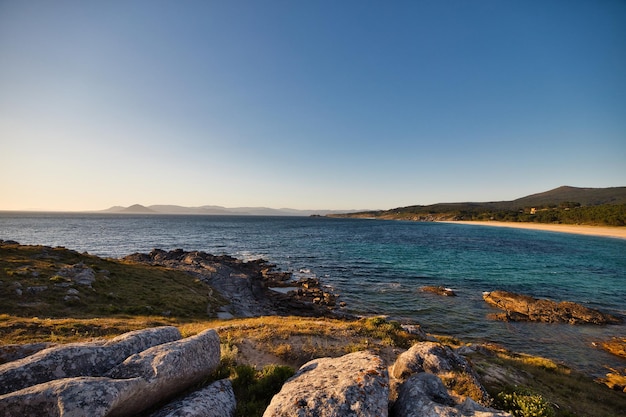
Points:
(307, 104)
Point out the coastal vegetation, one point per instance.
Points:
(566, 205)
(258, 353)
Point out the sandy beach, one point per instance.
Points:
(615, 232)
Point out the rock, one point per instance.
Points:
(439, 290)
(356, 385)
(520, 307)
(424, 394)
(79, 273)
(141, 381)
(615, 346)
(167, 369)
(216, 400)
(80, 359)
(9, 353)
(437, 359)
(69, 397)
(615, 380)
(415, 329)
(35, 290)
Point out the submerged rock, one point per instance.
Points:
(439, 290)
(519, 307)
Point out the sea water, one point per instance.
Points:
(378, 267)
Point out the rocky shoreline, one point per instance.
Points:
(249, 286)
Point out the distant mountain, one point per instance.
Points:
(218, 210)
(135, 208)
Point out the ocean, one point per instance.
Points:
(378, 267)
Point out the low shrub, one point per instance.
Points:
(523, 402)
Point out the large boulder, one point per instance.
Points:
(80, 359)
(355, 385)
(519, 307)
(440, 360)
(168, 369)
(216, 400)
(424, 394)
(141, 381)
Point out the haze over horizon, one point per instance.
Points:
(307, 105)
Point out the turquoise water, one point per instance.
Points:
(378, 267)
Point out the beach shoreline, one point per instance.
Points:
(603, 231)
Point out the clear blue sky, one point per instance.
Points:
(307, 104)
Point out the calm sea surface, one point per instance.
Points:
(378, 267)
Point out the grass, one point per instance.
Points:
(538, 380)
(31, 286)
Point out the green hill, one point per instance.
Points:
(584, 196)
(569, 205)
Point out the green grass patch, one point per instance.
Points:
(32, 285)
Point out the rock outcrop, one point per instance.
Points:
(440, 360)
(519, 307)
(430, 379)
(141, 380)
(79, 273)
(424, 394)
(80, 359)
(354, 385)
(246, 285)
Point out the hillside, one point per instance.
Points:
(568, 205)
(584, 196)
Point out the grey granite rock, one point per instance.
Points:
(80, 359)
(70, 397)
(435, 358)
(216, 400)
(424, 395)
(141, 381)
(355, 385)
(13, 352)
